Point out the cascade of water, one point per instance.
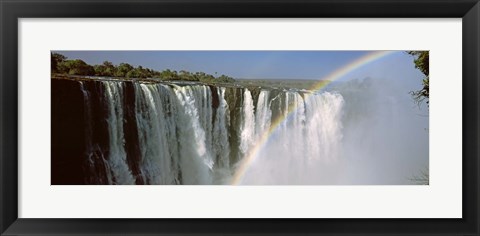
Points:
(220, 131)
(184, 133)
(121, 173)
(87, 118)
(221, 146)
(247, 130)
(324, 113)
(305, 142)
(97, 167)
(156, 166)
(195, 159)
(264, 114)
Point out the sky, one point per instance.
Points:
(384, 132)
(258, 64)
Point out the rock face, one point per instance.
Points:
(130, 132)
(149, 132)
(68, 133)
(81, 143)
(80, 130)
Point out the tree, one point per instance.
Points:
(123, 69)
(138, 72)
(225, 79)
(55, 59)
(185, 75)
(105, 69)
(422, 63)
(168, 75)
(109, 69)
(421, 60)
(60, 64)
(76, 67)
(99, 70)
(204, 77)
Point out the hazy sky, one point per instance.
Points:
(384, 136)
(257, 64)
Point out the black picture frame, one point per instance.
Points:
(11, 11)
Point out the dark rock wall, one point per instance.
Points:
(130, 129)
(68, 133)
(80, 133)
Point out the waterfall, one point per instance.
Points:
(247, 129)
(264, 114)
(155, 135)
(306, 144)
(118, 156)
(96, 163)
(220, 132)
(199, 134)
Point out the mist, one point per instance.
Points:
(363, 128)
(381, 137)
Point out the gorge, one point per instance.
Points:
(110, 131)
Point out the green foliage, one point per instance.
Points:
(60, 64)
(105, 69)
(168, 75)
(123, 69)
(62, 68)
(185, 75)
(225, 79)
(421, 60)
(55, 59)
(138, 72)
(75, 67)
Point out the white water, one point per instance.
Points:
(306, 144)
(185, 139)
(247, 129)
(263, 114)
(96, 162)
(117, 156)
(154, 136)
(221, 146)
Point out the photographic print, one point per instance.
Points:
(240, 117)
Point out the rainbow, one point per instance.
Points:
(335, 75)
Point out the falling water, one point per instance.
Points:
(247, 129)
(185, 134)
